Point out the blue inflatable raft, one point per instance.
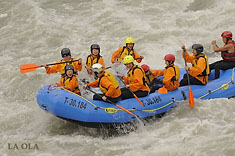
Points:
(70, 106)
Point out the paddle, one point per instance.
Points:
(132, 92)
(190, 93)
(138, 58)
(25, 68)
(112, 103)
(120, 62)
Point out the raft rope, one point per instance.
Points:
(152, 110)
(223, 86)
(105, 108)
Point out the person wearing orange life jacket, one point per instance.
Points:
(66, 55)
(135, 81)
(198, 73)
(107, 84)
(171, 73)
(94, 57)
(227, 53)
(126, 50)
(69, 80)
(152, 80)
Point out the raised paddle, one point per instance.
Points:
(138, 58)
(132, 92)
(190, 93)
(112, 103)
(134, 59)
(25, 68)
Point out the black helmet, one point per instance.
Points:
(65, 52)
(95, 46)
(198, 48)
(69, 67)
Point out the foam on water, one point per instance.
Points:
(34, 31)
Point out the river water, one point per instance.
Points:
(34, 32)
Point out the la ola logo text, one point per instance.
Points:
(23, 146)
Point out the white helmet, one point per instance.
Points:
(97, 68)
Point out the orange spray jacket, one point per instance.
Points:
(60, 67)
(70, 83)
(152, 75)
(106, 87)
(137, 79)
(122, 52)
(200, 68)
(170, 79)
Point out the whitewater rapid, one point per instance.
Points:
(34, 32)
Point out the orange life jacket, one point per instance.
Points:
(69, 84)
(172, 82)
(116, 92)
(124, 53)
(131, 78)
(91, 60)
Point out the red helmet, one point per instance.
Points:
(145, 67)
(169, 57)
(227, 34)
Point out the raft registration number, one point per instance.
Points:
(151, 101)
(75, 103)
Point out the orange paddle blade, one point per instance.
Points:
(162, 90)
(190, 98)
(25, 68)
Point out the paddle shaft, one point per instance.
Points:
(112, 102)
(134, 59)
(138, 58)
(190, 95)
(60, 63)
(51, 64)
(186, 70)
(47, 65)
(132, 92)
(25, 68)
